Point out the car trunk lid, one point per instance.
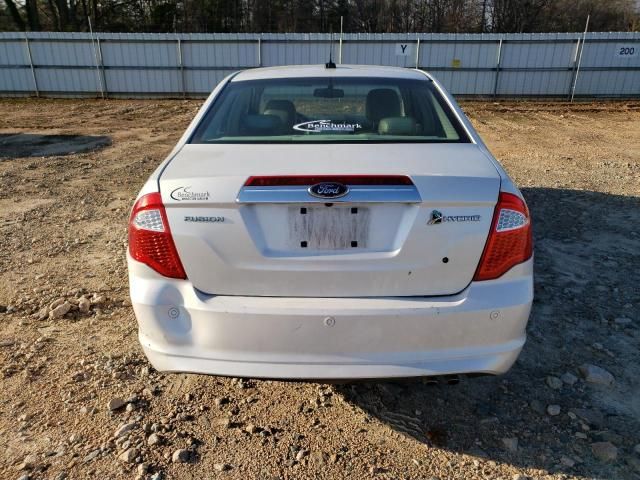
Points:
(418, 230)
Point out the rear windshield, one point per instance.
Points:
(329, 110)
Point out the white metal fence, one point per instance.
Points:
(175, 65)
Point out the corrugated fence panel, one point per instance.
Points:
(15, 74)
(64, 66)
(400, 54)
(16, 80)
(202, 82)
(13, 52)
(466, 83)
(287, 52)
(466, 68)
(141, 67)
(142, 81)
(219, 54)
(77, 53)
(67, 80)
(173, 65)
(533, 68)
(139, 54)
(455, 55)
(534, 83)
(207, 62)
(608, 67)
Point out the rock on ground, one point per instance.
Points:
(554, 383)
(569, 378)
(60, 311)
(595, 374)
(129, 455)
(84, 305)
(116, 403)
(181, 456)
(605, 451)
(124, 428)
(511, 444)
(553, 410)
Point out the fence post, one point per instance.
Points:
(260, 51)
(577, 68)
(418, 53)
(33, 72)
(340, 48)
(181, 66)
(103, 84)
(498, 60)
(95, 55)
(573, 68)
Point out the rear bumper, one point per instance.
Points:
(480, 330)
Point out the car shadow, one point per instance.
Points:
(20, 145)
(587, 248)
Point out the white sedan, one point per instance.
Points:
(316, 222)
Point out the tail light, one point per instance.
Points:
(150, 240)
(510, 240)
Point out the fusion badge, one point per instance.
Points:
(189, 218)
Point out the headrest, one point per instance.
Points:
(284, 109)
(381, 103)
(286, 105)
(285, 118)
(397, 126)
(262, 125)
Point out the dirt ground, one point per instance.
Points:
(63, 238)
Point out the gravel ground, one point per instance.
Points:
(78, 399)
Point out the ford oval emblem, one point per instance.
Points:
(328, 190)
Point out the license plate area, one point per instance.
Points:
(328, 227)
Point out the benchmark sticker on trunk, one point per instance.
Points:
(185, 194)
(437, 217)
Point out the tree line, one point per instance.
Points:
(281, 16)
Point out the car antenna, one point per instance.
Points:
(330, 64)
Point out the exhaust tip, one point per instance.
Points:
(442, 380)
(454, 380)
